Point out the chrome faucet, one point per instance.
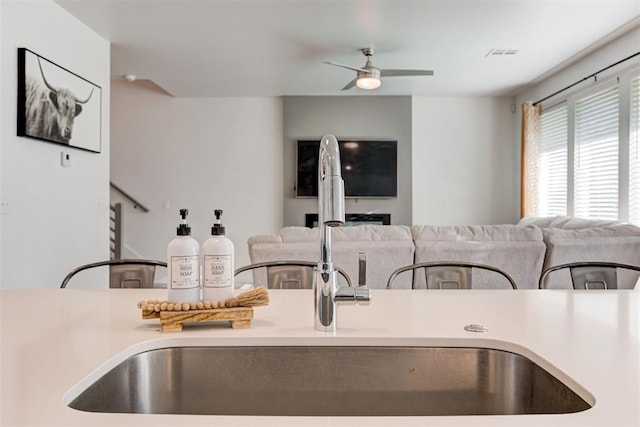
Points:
(331, 214)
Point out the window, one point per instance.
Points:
(552, 165)
(634, 153)
(596, 155)
(589, 153)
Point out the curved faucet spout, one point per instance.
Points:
(330, 196)
(329, 158)
(330, 214)
(330, 183)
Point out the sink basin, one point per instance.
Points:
(329, 381)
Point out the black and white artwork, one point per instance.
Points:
(57, 105)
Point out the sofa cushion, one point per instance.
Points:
(264, 238)
(361, 233)
(565, 222)
(517, 250)
(615, 243)
(388, 247)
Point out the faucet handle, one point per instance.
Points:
(363, 294)
(345, 294)
(362, 269)
(360, 294)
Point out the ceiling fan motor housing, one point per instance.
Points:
(368, 51)
(371, 73)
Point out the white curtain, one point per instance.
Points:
(529, 159)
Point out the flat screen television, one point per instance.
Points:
(369, 168)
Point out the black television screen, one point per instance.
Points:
(369, 168)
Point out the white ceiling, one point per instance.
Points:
(219, 48)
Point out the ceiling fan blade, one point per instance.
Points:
(349, 85)
(348, 67)
(399, 73)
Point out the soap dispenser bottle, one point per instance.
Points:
(183, 264)
(217, 253)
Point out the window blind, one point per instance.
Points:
(552, 183)
(596, 155)
(634, 153)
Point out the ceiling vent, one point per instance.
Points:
(501, 52)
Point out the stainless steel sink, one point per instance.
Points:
(329, 381)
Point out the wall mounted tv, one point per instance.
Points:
(369, 168)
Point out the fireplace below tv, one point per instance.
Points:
(311, 219)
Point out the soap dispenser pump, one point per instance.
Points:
(183, 264)
(217, 253)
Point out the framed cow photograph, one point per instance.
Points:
(57, 105)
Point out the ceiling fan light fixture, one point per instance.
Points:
(369, 79)
(368, 83)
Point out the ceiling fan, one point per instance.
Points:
(368, 77)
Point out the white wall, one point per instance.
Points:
(463, 168)
(366, 117)
(229, 153)
(618, 49)
(197, 153)
(53, 218)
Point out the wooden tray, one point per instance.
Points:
(172, 321)
(238, 310)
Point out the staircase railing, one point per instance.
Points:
(115, 230)
(136, 203)
(116, 219)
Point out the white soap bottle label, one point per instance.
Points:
(217, 271)
(184, 272)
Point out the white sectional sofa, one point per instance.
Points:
(519, 251)
(523, 250)
(569, 239)
(388, 247)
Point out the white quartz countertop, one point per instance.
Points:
(55, 342)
